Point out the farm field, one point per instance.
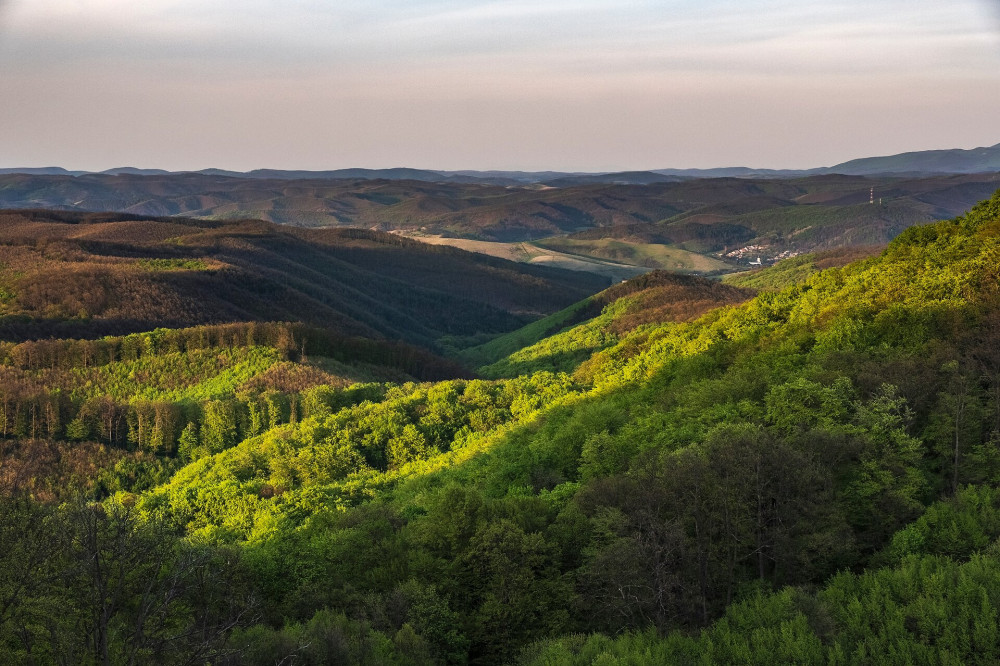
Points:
(648, 255)
(536, 253)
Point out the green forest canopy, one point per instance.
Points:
(808, 476)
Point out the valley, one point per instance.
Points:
(701, 225)
(347, 444)
(499, 333)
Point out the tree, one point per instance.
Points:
(77, 430)
(674, 539)
(107, 416)
(218, 425)
(887, 486)
(514, 587)
(139, 594)
(960, 405)
(189, 443)
(407, 446)
(28, 567)
(141, 418)
(166, 417)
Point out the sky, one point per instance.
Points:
(582, 85)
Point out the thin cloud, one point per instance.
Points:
(411, 35)
(530, 84)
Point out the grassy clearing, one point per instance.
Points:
(172, 264)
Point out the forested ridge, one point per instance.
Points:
(85, 275)
(700, 213)
(802, 466)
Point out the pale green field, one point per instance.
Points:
(536, 254)
(647, 255)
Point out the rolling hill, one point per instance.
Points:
(950, 161)
(673, 470)
(926, 161)
(774, 219)
(476, 211)
(76, 274)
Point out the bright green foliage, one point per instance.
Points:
(562, 352)
(775, 278)
(808, 477)
(342, 457)
(172, 264)
(796, 270)
(963, 525)
(203, 374)
(505, 345)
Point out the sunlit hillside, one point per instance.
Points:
(801, 466)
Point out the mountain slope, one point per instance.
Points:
(486, 212)
(810, 476)
(69, 273)
(698, 465)
(974, 160)
(956, 160)
(562, 341)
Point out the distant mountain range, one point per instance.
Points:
(705, 220)
(954, 161)
(699, 214)
(505, 178)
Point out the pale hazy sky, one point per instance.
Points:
(588, 85)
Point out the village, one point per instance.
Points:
(757, 253)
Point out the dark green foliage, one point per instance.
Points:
(807, 477)
(95, 583)
(328, 638)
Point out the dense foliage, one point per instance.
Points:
(808, 476)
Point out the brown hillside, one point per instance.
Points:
(68, 274)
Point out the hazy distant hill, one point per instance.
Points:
(622, 178)
(976, 160)
(42, 171)
(737, 172)
(132, 171)
(473, 210)
(489, 212)
(777, 218)
(954, 161)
